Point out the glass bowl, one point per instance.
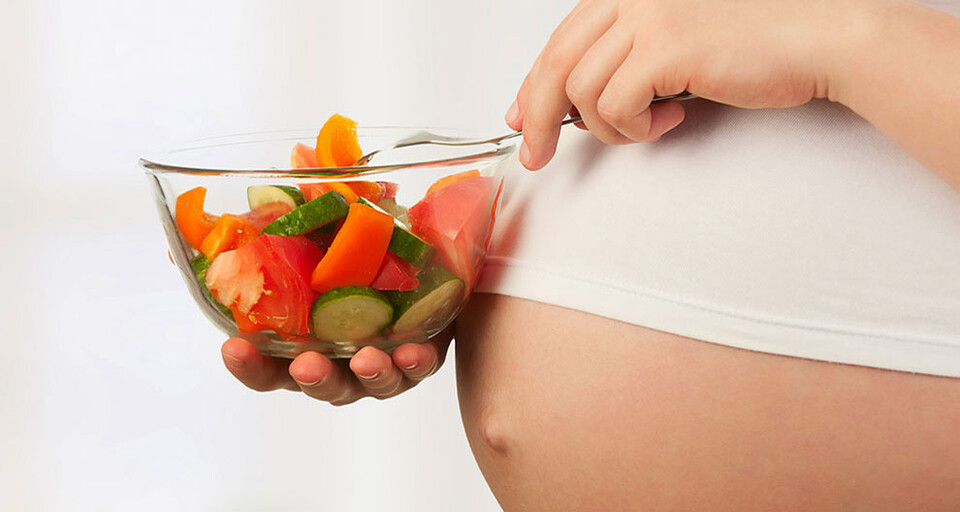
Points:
(441, 204)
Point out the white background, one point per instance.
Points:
(112, 392)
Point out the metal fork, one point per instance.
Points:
(426, 137)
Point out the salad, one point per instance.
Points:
(341, 261)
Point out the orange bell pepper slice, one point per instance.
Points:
(194, 223)
(369, 190)
(357, 251)
(229, 233)
(337, 143)
(312, 191)
(450, 180)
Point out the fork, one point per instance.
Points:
(426, 137)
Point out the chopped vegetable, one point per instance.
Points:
(260, 195)
(229, 233)
(303, 157)
(456, 220)
(194, 223)
(450, 180)
(431, 304)
(310, 216)
(356, 252)
(265, 283)
(337, 143)
(200, 264)
(395, 274)
(262, 216)
(350, 313)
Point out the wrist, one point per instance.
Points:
(849, 61)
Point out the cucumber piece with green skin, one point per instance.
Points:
(350, 313)
(321, 211)
(200, 264)
(410, 247)
(259, 195)
(431, 304)
(405, 244)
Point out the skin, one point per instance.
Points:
(608, 58)
(656, 421)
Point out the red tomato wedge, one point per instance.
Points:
(264, 215)
(303, 157)
(396, 274)
(457, 220)
(194, 223)
(235, 278)
(389, 189)
(266, 282)
(357, 250)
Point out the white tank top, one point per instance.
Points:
(802, 232)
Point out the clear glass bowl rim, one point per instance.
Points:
(155, 165)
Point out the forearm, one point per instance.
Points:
(902, 73)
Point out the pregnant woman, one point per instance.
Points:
(761, 311)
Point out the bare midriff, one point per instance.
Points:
(570, 411)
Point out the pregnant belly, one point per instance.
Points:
(569, 411)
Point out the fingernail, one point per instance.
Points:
(232, 362)
(512, 112)
(309, 384)
(413, 366)
(524, 154)
(369, 377)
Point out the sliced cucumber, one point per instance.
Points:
(259, 195)
(405, 244)
(200, 265)
(310, 216)
(431, 304)
(350, 313)
(410, 247)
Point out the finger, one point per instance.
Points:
(325, 380)
(418, 361)
(253, 369)
(514, 115)
(576, 113)
(547, 100)
(376, 373)
(625, 101)
(588, 79)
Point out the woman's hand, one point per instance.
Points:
(370, 372)
(609, 58)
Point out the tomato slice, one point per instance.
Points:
(396, 274)
(267, 283)
(303, 157)
(265, 214)
(389, 189)
(457, 220)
